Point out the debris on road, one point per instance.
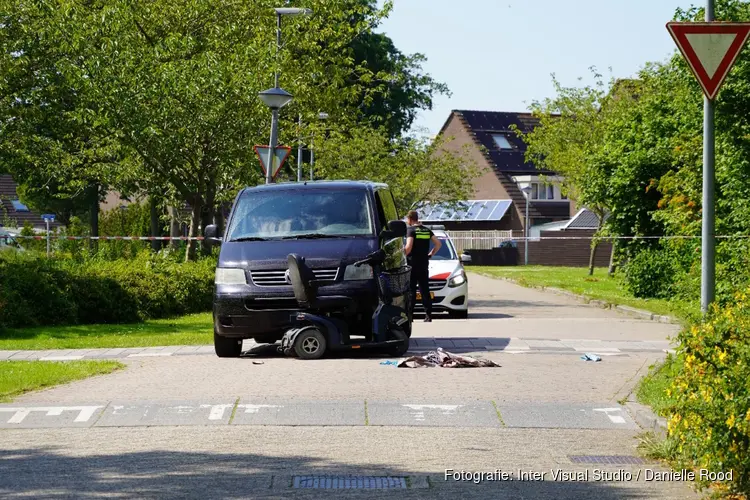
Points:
(389, 362)
(258, 362)
(445, 359)
(590, 357)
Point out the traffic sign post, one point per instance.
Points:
(710, 49)
(48, 219)
(281, 153)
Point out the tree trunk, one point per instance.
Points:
(195, 219)
(612, 266)
(592, 257)
(207, 215)
(94, 217)
(155, 230)
(219, 220)
(174, 228)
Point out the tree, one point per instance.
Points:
(570, 140)
(416, 169)
(176, 82)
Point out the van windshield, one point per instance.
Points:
(301, 213)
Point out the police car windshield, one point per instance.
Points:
(301, 213)
(446, 251)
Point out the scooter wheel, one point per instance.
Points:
(401, 348)
(310, 344)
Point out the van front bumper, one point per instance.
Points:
(245, 313)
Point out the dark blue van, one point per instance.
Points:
(331, 223)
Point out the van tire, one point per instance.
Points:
(226, 347)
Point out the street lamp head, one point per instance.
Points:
(292, 11)
(526, 190)
(275, 98)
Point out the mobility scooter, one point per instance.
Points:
(322, 327)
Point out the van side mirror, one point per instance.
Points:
(398, 228)
(210, 232)
(465, 257)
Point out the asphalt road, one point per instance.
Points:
(198, 426)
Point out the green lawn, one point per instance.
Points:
(652, 389)
(17, 377)
(193, 329)
(576, 279)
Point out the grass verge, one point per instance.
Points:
(652, 389)
(193, 329)
(18, 377)
(600, 286)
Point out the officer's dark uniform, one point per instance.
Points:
(420, 262)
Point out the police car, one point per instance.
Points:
(449, 286)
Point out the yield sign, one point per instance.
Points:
(281, 153)
(710, 49)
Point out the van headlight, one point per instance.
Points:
(458, 279)
(363, 272)
(230, 276)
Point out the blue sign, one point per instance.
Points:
(48, 217)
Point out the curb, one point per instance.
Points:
(595, 302)
(647, 419)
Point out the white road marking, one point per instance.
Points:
(597, 349)
(19, 414)
(217, 411)
(61, 358)
(256, 408)
(419, 410)
(617, 419)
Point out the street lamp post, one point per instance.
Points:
(276, 98)
(527, 193)
(321, 116)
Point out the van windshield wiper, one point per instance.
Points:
(311, 236)
(249, 238)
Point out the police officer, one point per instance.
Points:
(418, 238)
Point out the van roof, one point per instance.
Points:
(323, 184)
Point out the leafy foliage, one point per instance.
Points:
(417, 170)
(37, 291)
(709, 415)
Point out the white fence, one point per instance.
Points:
(478, 240)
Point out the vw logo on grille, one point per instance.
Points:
(287, 277)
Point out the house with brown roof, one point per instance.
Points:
(496, 147)
(14, 214)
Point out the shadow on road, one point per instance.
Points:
(496, 303)
(45, 472)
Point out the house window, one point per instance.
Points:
(502, 142)
(18, 206)
(541, 191)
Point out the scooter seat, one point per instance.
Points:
(306, 288)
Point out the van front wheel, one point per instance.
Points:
(226, 347)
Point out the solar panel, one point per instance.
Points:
(468, 210)
(18, 206)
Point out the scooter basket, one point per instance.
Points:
(395, 282)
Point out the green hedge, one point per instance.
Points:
(709, 410)
(35, 291)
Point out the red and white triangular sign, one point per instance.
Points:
(710, 49)
(281, 153)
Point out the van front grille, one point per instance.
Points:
(278, 278)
